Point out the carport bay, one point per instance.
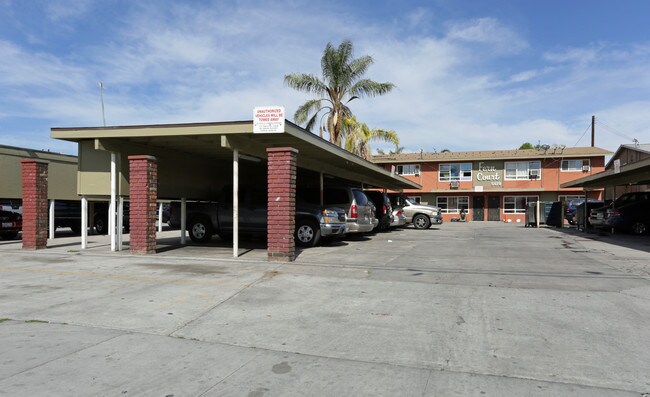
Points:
(196, 161)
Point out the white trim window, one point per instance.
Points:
(455, 172)
(415, 199)
(575, 165)
(408, 169)
(568, 197)
(452, 204)
(517, 204)
(528, 170)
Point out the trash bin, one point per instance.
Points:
(555, 215)
(531, 214)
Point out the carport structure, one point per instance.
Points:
(145, 163)
(636, 173)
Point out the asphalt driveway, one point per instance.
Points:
(460, 309)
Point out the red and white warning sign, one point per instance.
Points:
(268, 119)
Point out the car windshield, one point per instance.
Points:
(407, 201)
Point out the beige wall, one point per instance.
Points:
(179, 174)
(62, 173)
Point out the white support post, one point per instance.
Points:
(160, 216)
(51, 219)
(235, 203)
(537, 214)
(120, 221)
(84, 222)
(111, 207)
(183, 219)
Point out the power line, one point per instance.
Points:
(583, 134)
(614, 131)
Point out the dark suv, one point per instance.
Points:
(628, 212)
(633, 216)
(384, 210)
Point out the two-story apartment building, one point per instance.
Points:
(495, 185)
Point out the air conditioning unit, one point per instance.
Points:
(454, 184)
(585, 168)
(533, 176)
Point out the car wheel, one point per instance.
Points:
(101, 225)
(9, 235)
(200, 230)
(639, 227)
(421, 221)
(307, 233)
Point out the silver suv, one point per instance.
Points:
(422, 216)
(360, 216)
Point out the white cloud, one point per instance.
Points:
(62, 10)
(216, 62)
(488, 31)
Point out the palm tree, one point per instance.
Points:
(398, 149)
(359, 135)
(342, 82)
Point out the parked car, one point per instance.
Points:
(632, 217)
(383, 208)
(100, 217)
(399, 219)
(570, 213)
(598, 217)
(11, 224)
(421, 216)
(205, 219)
(580, 212)
(570, 210)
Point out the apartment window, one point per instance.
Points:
(455, 172)
(523, 170)
(575, 165)
(453, 204)
(567, 198)
(517, 204)
(408, 169)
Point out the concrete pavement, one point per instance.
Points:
(460, 309)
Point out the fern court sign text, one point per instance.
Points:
(268, 119)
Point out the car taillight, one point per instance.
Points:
(613, 212)
(353, 211)
(399, 213)
(383, 210)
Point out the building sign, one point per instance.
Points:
(268, 119)
(488, 173)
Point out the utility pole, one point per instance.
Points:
(101, 96)
(593, 131)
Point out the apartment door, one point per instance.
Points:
(494, 209)
(478, 208)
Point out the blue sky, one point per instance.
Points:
(470, 75)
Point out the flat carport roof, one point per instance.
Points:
(218, 139)
(637, 173)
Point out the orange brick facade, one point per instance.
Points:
(489, 194)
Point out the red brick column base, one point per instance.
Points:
(281, 203)
(35, 211)
(143, 188)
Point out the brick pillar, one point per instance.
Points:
(281, 203)
(35, 209)
(143, 188)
